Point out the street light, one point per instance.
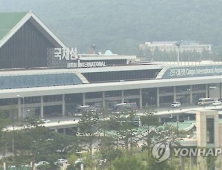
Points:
(177, 121)
(23, 105)
(178, 44)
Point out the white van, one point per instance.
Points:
(176, 104)
(205, 101)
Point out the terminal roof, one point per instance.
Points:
(11, 22)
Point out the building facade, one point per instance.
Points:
(39, 73)
(208, 136)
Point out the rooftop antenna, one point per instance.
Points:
(93, 47)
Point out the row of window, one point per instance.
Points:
(24, 81)
(182, 88)
(112, 93)
(121, 75)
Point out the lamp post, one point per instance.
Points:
(23, 105)
(177, 121)
(178, 51)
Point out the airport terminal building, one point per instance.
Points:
(39, 73)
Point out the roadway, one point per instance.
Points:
(161, 112)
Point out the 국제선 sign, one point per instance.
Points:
(182, 72)
(68, 57)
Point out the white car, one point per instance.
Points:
(78, 114)
(45, 120)
(41, 163)
(101, 162)
(26, 166)
(216, 103)
(61, 161)
(176, 104)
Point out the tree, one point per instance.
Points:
(8, 120)
(88, 126)
(152, 165)
(127, 163)
(90, 161)
(4, 122)
(123, 124)
(71, 159)
(149, 123)
(34, 144)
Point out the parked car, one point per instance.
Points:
(26, 165)
(41, 163)
(43, 121)
(82, 110)
(216, 103)
(205, 101)
(175, 104)
(61, 161)
(102, 161)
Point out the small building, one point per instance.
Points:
(169, 46)
(208, 135)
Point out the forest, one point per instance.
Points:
(121, 25)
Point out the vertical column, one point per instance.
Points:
(82, 166)
(56, 130)
(140, 122)
(174, 94)
(178, 117)
(83, 99)
(19, 108)
(41, 107)
(141, 99)
(207, 90)
(23, 107)
(220, 90)
(182, 163)
(122, 96)
(191, 94)
(32, 164)
(103, 97)
(4, 165)
(63, 105)
(158, 97)
(191, 162)
(64, 131)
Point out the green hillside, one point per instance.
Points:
(121, 25)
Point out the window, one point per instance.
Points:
(210, 130)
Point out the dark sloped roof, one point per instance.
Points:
(11, 22)
(8, 21)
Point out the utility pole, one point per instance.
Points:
(177, 128)
(23, 105)
(178, 44)
(178, 119)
